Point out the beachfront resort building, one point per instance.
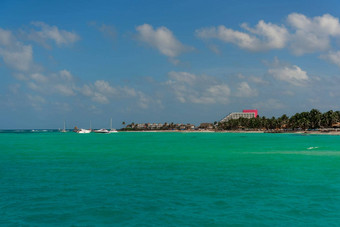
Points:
(244, 114)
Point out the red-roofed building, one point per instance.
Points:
(250, 111)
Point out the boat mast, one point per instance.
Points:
(111, 123)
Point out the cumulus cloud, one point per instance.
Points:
(312, 34)
(104, 87)
(6, 37)
(14, 53)
(302, 34)
(39, 77)
(103, 92)
(100, 98)
(258, 80)
(333, 57)
(264, 36)
(65, 75)
(244, 90)
(64, 89)
(58, 83)
(161, 39)
(288, 73)
(48, 32)
(191, 88)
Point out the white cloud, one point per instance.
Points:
(6, 37)
(302, 35)
(244, 90)
(129, 92)
(39, 77)
(289, 73)
(18, 57)
(312, 34)
(333, 57)
(48, 32)
(162, 39)
(65, 90)
(191, 88)
(144, 101)
(15, 54)
(272, 36)
(58, 83)
(104, 87)
(86, 90)
(182, 77)
(264, 36)
(65, 75)
(100, 98)
(103, 92)
(258, 80)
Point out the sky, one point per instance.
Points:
(164, 61)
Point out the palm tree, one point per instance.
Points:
(329, 118)
(315, 118)
(283, 121)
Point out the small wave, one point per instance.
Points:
(312, 148)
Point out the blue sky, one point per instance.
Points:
(164, 61)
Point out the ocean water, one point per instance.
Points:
(169, 179)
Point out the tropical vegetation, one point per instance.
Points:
(311, 120)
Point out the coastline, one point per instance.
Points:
(236, 131)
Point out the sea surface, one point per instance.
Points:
(169, 179)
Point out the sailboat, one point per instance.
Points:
(112, 130)
(64, 130)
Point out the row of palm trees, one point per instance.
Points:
(313, 119)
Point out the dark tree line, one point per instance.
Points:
(313, 119)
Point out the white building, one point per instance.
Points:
(236, 115)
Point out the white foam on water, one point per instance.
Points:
(312, 148)
(313, 153)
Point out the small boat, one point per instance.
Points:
(83, 131)
(112, 130)
(103, 130)
(64, 130)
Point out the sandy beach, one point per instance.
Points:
(241, 131)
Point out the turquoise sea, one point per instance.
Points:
(169, 179)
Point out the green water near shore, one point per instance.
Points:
(169, 179)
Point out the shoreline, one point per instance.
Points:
(235, 131)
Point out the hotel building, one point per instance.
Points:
(244, 114)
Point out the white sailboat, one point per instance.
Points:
(112, 130)
(64, 130)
